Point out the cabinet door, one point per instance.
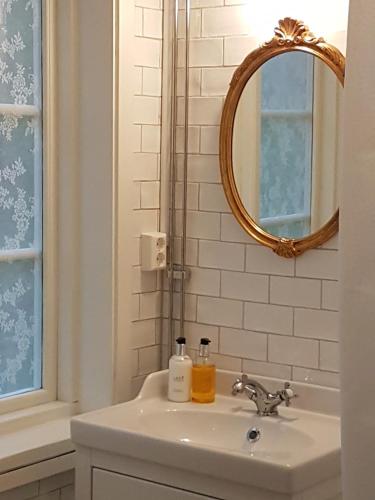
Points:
(112, 486)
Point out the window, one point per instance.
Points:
(21, 198)
(286, 120)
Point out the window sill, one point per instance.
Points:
(35, 443)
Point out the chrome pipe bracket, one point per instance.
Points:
(179, 273)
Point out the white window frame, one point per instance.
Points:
(87, 283)
(48, 392)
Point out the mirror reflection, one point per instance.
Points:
(285, 144)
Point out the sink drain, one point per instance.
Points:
(253, 435)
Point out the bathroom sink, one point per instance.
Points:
(296, 450)
(226, 428)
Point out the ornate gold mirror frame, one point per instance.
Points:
(290, 35)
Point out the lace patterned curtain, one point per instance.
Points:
(20, 196)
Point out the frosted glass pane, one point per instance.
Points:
(20, 329)
(20, 37)
(285, 163)
(20, 195)
(287, 82)
(19, 159)
(20, 137)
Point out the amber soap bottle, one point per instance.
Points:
(203, 380)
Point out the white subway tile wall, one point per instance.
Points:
(58, 487)
(146, 307)
(265, 314)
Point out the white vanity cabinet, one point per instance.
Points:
(112, 486)
(105, 476)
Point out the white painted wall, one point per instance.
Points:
(358, 258)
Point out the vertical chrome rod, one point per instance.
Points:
(172, 180)
(185, 174)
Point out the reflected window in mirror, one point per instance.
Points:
(286, 121)
(285, 144)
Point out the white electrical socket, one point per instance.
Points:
(153, 251)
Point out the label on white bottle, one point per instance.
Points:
(179, 386)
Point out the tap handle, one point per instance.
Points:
(288, 394)
(242, 380)
(239, 384)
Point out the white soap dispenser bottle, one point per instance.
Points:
(180, 365)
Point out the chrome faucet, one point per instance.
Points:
(266, 402)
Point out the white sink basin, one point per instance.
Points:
(224, 426)
(296, 450)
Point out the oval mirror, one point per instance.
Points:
(279, 140)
